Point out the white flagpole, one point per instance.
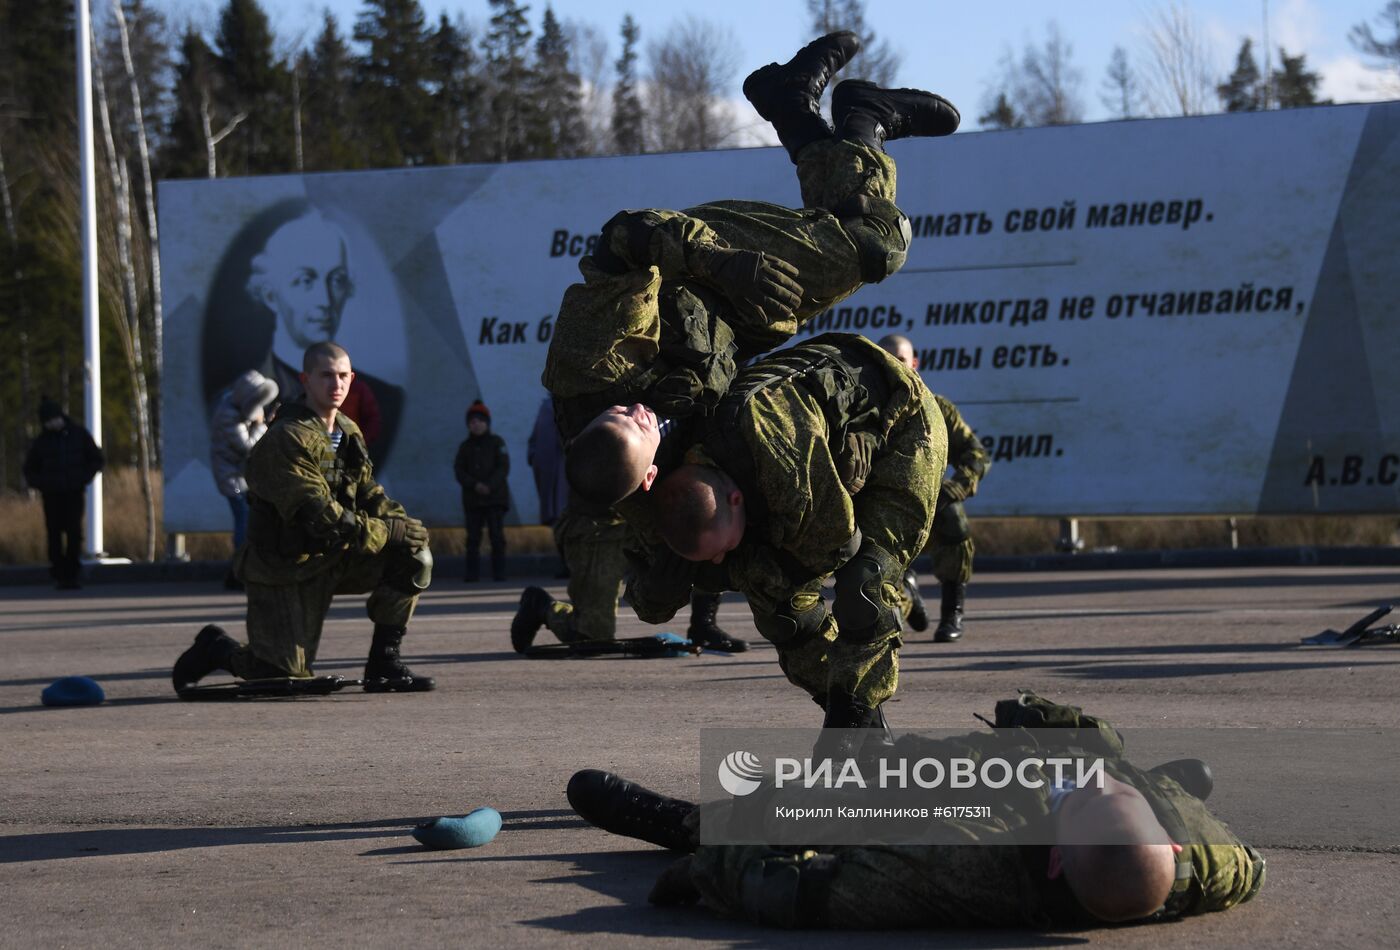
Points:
(92, 351)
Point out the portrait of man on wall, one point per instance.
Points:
(283, 285)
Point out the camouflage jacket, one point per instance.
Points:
(797, 432)
(660, 335)
(966, 456)
(310, 506)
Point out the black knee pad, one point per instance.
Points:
(880, 232)
(860, 609)
(790, 628)
(950, 524)
(410, 571)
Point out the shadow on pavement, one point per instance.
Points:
(626, 877)
(992, 585)
(50, 846)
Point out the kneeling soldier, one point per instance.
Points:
(320, 525)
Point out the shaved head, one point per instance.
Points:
(901, 349)
(1114, 853)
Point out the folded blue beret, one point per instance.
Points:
(73, 691)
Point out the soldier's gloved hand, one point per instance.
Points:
(668, 577)
(406, 532)
(750, 278)
(675, 887)
(952, 490)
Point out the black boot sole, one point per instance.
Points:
(775, 88)
(405, 684)
(902, 113)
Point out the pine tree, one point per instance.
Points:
(1294, 84)
(197, 89)
(1001, 114)
(1381, 43)
(627, 131)
(1241, 92)
(40, 273)
(390, 73)
(508, 72)
(256, 85)
(332, 140)
(557, 129)
(455, 91)
(1121, 93)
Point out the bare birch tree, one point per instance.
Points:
(590, 61)
(691, 67)
(1179, 72)
(148, 192)
(212, 138)
(1038, 87)
(129, 329)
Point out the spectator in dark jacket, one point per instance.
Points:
(61, 463)
(481, 467)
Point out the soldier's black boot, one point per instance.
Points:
(918, 610)
(529, 617)
(212, 650)
(866, 113)
(950, 618)
(385, 672)
(1193, 775)
(614, 804)
(704, 625)
(473, 572)
(498, 565)
(790, 95)
(847, 728)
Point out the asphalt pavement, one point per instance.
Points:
(153, 822)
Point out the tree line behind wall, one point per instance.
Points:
(230, 97)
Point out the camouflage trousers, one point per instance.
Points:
(952, 563)
(811, 239)
(592, 550)
(609, 327)
(850, 887)
(950, 545)
(285, 620)
(894, 510)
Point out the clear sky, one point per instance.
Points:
(950, 48)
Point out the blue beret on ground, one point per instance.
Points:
(679, 645)
(73, 691)
(471, 831)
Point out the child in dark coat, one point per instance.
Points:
(481, 467)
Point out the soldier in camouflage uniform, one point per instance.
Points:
(671, 301)
(823, 459)
(592, 549)
(973, 872)
(950, 546)
(320, 525)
